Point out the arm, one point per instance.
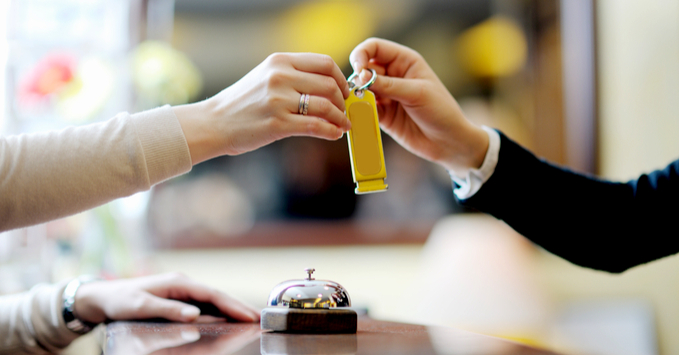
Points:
(32, 322)
(590, 222)
(51, 175)
(55, 174)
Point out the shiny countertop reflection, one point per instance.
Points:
(373, 337)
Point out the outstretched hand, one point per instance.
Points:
(416, 109)
(158, 296)
(262, 107)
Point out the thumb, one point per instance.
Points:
(176, 311)
(406, 91)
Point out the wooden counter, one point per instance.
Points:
(373, 337)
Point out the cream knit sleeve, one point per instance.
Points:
(31, 322)
(50, 175)
(45, 176)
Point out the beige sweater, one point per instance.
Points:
(46, 176)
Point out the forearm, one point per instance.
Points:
(31, 322)
(590, 222)
(195, 122)
(51, 175)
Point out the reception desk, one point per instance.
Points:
(373, 337)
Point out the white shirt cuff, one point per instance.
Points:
(468, 186)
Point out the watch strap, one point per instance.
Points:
(71, 320)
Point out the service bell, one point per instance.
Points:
(309, 306)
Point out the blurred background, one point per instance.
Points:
(590, 84)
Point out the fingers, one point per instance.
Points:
(406, 91)
(320, 107)
(319, 85)
(180, 287)
(320, 64)
(233, 308)
(156, 307)
(319, 77)
(395, 57)
(379, 69)
(311, 126)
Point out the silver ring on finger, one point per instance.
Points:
(305, 107)
(300, 107)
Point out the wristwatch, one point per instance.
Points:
(68, 312)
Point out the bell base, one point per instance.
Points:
(309, 321)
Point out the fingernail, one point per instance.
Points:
(190, 312)
(355, 66)
(189, 335)
(365, 75)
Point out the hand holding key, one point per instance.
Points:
(416, 109)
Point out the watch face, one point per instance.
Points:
(70, 320)
(68, 315)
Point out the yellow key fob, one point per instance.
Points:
(365, 142)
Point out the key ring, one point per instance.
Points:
(364, 86)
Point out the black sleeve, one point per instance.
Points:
(590, 222)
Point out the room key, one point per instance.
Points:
(365, 141)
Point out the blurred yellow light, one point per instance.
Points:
(494, 48)
(328, 27)
(164, 75)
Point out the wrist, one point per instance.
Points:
(86, 307)
(468, 151)
(194, 118)
(74, 320)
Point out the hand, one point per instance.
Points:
(416, 109)
(262, 107)
(155, 296)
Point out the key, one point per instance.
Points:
(365, 141)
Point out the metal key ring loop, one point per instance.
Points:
(366, 85)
